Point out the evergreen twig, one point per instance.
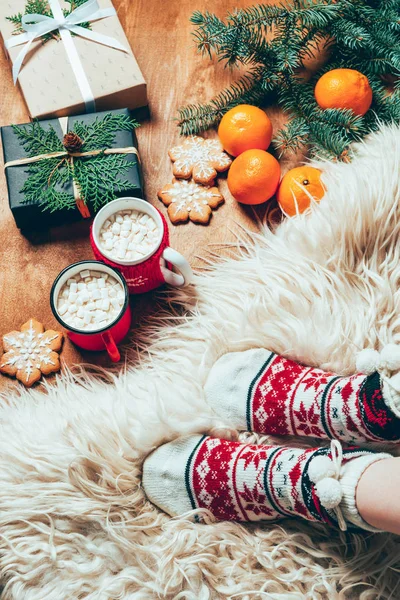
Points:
(273, 42)
(41, 7)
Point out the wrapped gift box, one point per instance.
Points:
(32, 216)
(48, 83)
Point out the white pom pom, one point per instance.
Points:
(321, 467)
(329, 491)
(368, 361)
(390, 357)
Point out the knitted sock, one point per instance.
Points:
(260, 391)
(243, 482)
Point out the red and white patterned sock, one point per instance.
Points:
(263, 392)
(243, 482)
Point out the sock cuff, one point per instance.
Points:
(391, 394)
(351, 473)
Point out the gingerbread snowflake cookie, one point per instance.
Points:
(199, 158)
(189, 200)
(31, 352)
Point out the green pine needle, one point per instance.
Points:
(99, 177)
(273, 42)
(41, 7)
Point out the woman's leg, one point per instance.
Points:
(378, 495)
(243, 482)
(263, 392)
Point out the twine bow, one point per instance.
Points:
(36, 26)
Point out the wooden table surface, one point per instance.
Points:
(160, 36)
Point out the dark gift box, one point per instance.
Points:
(32, 215)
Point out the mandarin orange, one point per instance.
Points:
(344, 88)
(254, 177)
(245, 127)
(298, 188)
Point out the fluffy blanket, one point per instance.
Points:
(74, 522)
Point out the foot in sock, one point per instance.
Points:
(263, 392)
(243, 482)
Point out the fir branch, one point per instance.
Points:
(99, 180)
(36, 140)
(292, 137)
(41, 7)
(275, 40)
(309, 13)
(101, 133)
(194, 118)
(51, 196)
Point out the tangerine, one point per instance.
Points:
(245, 127)
(298, 188)
(344, 88)
(254, 176)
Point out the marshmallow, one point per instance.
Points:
(79, 323)
(105, 304)
(63, 309)
(126, 225)
(87, 317)
(126, 232)
(86, 305)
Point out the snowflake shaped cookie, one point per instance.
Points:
(31, 352)
(189, 200)
(199, 158)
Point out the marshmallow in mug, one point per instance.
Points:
(129, 235)
(90, 300)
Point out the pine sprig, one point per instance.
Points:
(101, 133)
(37, 140)
(274, 41)
(98, 177)
(41, 7)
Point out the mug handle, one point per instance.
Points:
(179, 262)
(111, 346)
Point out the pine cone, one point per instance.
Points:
(72, 142)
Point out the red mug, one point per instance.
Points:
(102, 339)
(152, 270)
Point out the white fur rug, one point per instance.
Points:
(74, 523)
